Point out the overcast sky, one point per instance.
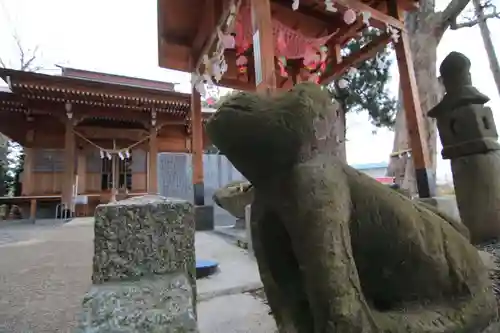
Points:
(120, 37)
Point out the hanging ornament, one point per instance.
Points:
(282, 66)
(208, 68)
(350, 16)
(393, 32)
(216, 72)
(241, 60)
(108, 155)
(101, 153)
(210, 101)
(206, 60)
(207, 79)
(295, 4)
(121, 156)
(314, 77)
(227, 40)
(223, 66)
(323, 52)
(200, 87)
(311, 57)
(366, 17)
(330, 7)
(127, 154)
(342, 83)
(195, 78)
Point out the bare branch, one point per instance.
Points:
(2, 63)
(20, 49)
(449, 15)
(470, 23)
(26, 66)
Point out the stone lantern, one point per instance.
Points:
(469, 137)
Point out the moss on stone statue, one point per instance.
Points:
(274, 128)
(338, 251)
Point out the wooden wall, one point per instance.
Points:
(47, 171)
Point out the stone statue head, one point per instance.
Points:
(456, 79)
(455, 71)
(264, 135)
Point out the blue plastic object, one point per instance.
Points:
(205, 268)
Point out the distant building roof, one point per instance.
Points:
(367, 166)
(116, 79)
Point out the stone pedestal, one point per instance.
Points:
(144, 272)
(204, 217)
(479, 197)
(158, 304)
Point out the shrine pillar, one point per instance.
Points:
(81, 171)
(28, 169)
(413, 113)
(197, 148)
(69, 157)
(203, 214)
(114, 177)
(153, 159)
(27, 181)
(263, 45)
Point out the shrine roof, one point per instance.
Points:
(41, 91)
(116, 79)
(188, 29)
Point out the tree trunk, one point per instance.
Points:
(423, 44)
(488, 44)
(340, 130)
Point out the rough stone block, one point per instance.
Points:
(204, 217)
(142, 236)
(150, 305)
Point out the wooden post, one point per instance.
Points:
(197, 148)
(413, 112)
(81, 170)
(153, 161)
(263, 46)
(69, 166)
(33, 209)
(114, 177)
(27, 180)
(27, 183)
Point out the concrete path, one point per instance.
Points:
(241, 313)
(45, 271)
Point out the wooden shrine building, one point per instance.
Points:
(265, 45)
(89, 137)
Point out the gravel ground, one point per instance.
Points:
(45, 272)
(43, 277)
